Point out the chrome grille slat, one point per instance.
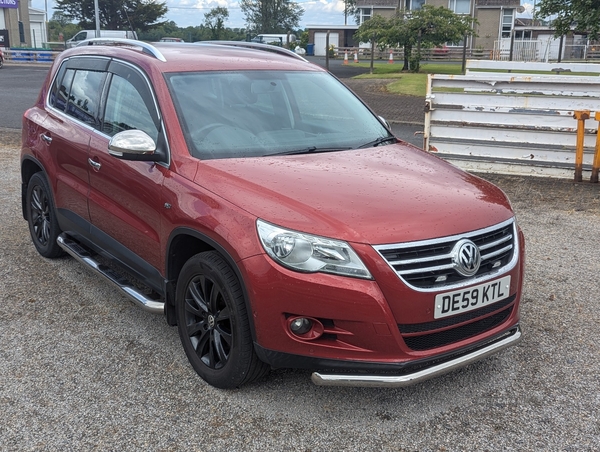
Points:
(428, 265)
(428, 269)
(485, 257)
(418, 261)
(496, 243)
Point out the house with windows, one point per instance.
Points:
(536, 40)
(496, 17)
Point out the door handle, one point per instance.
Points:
(95, 165)
(47, 139)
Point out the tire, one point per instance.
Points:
(41, 216)
(213, 323)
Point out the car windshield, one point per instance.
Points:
(262, 113)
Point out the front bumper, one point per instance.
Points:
(441, 367)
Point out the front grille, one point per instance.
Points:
(441, 338)
(429, 264)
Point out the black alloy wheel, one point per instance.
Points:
(209, 322)
(213, 323)
(41, 216)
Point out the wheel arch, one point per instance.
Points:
(183, 244)
(29, 166)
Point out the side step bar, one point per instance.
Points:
(82, 255)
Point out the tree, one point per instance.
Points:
(168, 28)
(435, 27)
(190, 34)
(271, 16)
(350, 10)
(214, 20)
(114, 14)
(379, 29)
(577, 15)
(427, 27)
(60, 29)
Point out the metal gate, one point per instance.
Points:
(510, 123)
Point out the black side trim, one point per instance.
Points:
(285, 360)
(435, 340)
(103, 244)
(224, 253)
(26, 176)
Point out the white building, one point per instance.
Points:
(21, 25)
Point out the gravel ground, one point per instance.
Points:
(82, 369)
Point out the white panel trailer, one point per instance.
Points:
(511, 123)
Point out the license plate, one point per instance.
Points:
(459, 301)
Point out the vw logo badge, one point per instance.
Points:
(466, 257)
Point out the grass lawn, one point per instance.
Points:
(409, 83)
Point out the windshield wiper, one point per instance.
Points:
(377, 142)
(309, 150)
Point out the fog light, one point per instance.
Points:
(301, 325)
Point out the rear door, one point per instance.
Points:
(72, 116)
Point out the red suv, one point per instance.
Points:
(268, 213)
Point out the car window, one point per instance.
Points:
(318, 104)
(84, 96)
(261, 113)
(125, 109)
(59, 95)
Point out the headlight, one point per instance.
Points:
(310, 253)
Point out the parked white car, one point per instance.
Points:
(83, 35)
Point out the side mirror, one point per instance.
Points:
(384, 122)
(132, 145)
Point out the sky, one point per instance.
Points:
(191, 12)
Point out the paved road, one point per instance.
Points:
(19, 88)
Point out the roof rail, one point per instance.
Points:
(256, 46)
(144, 46)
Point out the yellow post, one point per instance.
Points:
(581, 116)
(596, 164)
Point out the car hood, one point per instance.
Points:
(387, 194)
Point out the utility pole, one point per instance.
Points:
(97, 14)
(46, 18)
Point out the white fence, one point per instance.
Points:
(522, 50)
(511, 123)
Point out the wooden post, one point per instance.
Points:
(596, 164)
(464, 55)
(560, 50)
(372, 52)
(327, 50)
(580, 116)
